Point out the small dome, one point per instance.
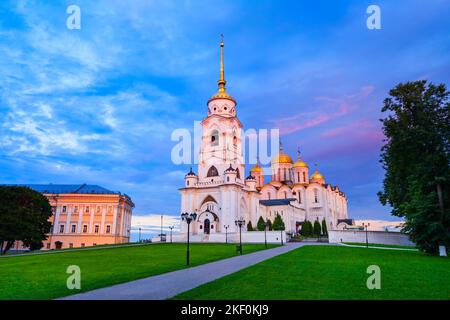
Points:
(282, 158)
(191, 173)
(256, 168)
(230, 169)
(317, 176)
(300, 164)
(250, 177)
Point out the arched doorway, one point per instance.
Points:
(58, 245)
(207, 226)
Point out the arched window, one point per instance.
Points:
(298, 177)
(304, 177)
(238, 174)
(316, 196)
(299, 196)
(215, 138)
(212, 172)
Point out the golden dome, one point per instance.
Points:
(299, 163)
(282, 157)
(317, 176)
(256, 168)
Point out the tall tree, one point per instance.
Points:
(261, 225)
(24, 215)
(249, 226)
(317, 228)
(306, 229)
(278, 223)
(416, 159)
(324, 228)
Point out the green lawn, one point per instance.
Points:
(43, 276)
(333, 272)
(380, 245)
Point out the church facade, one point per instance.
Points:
(220, 192)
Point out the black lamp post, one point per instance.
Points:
(189, 218)
(171, 233)
(139, 235)
(240, 222)
(366, 226)
(266, 224)
(226, 233)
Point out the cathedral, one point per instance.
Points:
(219, 193)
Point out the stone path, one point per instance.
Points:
(170, 284)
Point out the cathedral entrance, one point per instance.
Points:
(207, 226)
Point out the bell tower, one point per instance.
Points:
(221, 146)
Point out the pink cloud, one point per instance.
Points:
(328, 112)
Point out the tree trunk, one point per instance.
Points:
(8, 246)
(1, 247)
(441, 204)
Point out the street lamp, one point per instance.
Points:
(366, 226)
(240, 222)
(188, 218)
(171, 233)
(226, 233)
(266, 224)
(139, 235)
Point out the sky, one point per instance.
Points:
(98, 105)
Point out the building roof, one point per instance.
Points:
(276, 202)
(67, 188)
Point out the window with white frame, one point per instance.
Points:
(74, 228)
(61, 228)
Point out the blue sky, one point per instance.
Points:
(98, 105)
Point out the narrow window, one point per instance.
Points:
(96, 229)
(304, 177)
(215, 138)
(61, 228)
(316, 199)
(85, 228)
(64, 209)
(108, 229)
(74, 228)
(87, 209)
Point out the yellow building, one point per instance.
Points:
(86, 215)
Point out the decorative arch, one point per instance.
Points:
(238, 174)
(208, 198)
(212, 172)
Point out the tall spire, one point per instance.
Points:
(222, 82)
(298, 154)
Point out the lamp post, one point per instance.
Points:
(366, 226)
(139, 235)
(240, 222)
(226, 233)
(171, 233)
(188, 217)
(161, 228)
(266, 224)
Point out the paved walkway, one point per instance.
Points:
(170, 284)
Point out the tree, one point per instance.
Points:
(416, 159)
(278, 223)
(261, 225)
(24, 215)
(317, 229)
(305, 231)
(324, 228)
(249, 226)
(270, 225)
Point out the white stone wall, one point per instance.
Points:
(379, 237)
(247, 237)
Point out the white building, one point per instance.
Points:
(219, 194)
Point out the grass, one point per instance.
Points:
(44, 276)
(380, 245)
(334, 272)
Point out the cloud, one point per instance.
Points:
(331, 108)
(151, 223)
